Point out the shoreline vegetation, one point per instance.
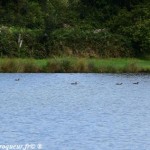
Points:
(74, 65)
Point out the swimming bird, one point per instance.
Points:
(74, 83)
(136, 83)
(119, 83)
(17, 79)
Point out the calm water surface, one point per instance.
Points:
(95, 114)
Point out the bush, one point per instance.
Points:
(98, 41)
(10, 38)
(134, 26)
(22, 13)
(8, 42)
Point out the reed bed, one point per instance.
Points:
(74, 65)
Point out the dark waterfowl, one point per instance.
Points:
(74, 83)
(136, 83)
(17, 79)
(119, 83)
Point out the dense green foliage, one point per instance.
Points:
(93, 28)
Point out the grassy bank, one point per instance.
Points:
(74, 65)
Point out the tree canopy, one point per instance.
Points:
(91, 25)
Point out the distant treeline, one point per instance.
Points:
(91, 28)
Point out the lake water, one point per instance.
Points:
(95, 114)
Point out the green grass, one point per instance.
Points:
(74, 65)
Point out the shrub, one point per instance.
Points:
(98, 41)
(134, 27)
(10, 45)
